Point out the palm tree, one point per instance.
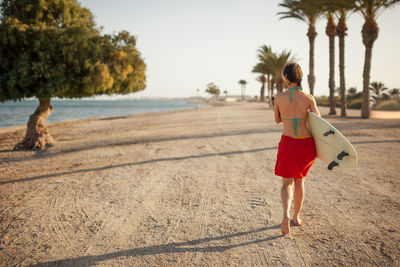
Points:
(262, 80)
(329, 8)
(226, 93)
(263, 67)
(370, 10)
(395, 92)
(277, 63)
(307, 11)
(338, 9)
(243, 84)
(377, 89)
(341, 28)
(352, 91)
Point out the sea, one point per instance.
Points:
(17, 113)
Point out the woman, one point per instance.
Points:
(296, 152)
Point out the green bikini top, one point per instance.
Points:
(295, 121)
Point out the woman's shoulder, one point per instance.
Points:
(309, 96)
(281, 94)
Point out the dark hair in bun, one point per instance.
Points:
(293, 73)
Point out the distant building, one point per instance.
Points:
(231, 99)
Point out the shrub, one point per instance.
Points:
(322, 100)
(355, 104)
(393, 104)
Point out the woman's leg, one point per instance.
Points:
(298, 199)
(286, 197)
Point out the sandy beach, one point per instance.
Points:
(194, 188)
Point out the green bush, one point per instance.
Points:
(355, 104)
(393, 104)
(322, 101)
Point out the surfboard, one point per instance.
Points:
(331, 146)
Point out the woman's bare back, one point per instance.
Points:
(294, 114)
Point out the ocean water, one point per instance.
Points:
(17, 113)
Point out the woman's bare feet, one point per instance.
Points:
(285, 226)
(297, 221)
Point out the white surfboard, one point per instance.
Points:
(331, 146)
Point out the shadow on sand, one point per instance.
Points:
(139, 163)
(105, 143)
(180, 247)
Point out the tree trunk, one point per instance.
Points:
(280, 85)
(366, 97)
(331, 32)
(370, 34)
(343, 102)
(341, 32)
(312, 33)
(272, 87)
(37, 134)
(269, 90)
(262, 92)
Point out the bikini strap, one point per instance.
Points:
(295, 123)
(291, 95)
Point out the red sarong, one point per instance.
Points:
(295, 157)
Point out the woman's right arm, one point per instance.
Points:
(277, 114)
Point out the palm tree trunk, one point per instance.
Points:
(269, 90)
(331, 32)
(37, 134)
(370, 34)
(262, 92)
(280, 85)
(312, 33)
(272, 86)
(366, 97)
(343, 104)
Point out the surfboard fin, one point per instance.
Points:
(342, 155)
(329, 132)
(332, 164)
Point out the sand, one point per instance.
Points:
(194, 188)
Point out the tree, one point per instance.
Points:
(340, 10)
(307, 11)
(226, 93)
(278, 63)
(213, 90)
(352, 91)
(370, 10)
(329, 8)
(262, 67)
(395, 92)
(377, 89)
(262, 80)
(243, 84)
(341, 29)
(51, 49)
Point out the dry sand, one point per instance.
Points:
(194, 187)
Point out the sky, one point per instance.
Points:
(187, 44)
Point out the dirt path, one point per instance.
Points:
(193, 187)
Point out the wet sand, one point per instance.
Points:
(194, 187)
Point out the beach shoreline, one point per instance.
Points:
(351, 113)
(193, 187)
